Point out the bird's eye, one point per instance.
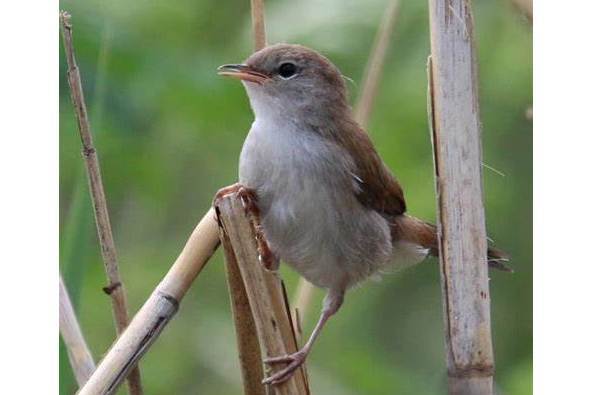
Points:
(287, 70)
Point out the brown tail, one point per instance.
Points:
(416, 231)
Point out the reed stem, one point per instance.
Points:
(115, 288)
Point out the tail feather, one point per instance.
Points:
(414, 230)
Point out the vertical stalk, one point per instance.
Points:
(264, 291)
(456, 132)
(257, 21)
(250, 359)
(115, 287)
(75, 234)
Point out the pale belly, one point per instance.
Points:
(310, 214)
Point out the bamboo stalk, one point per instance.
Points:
(115, 288)
(157, 311)
(250, 359)
(264, 291)
(81, 359)
(372, 75)
(374, 67)
(258, 25)
(456, 130)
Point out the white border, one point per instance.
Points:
(29, 197)
(563, 262)
(563, 151)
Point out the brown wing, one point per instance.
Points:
(379, 189)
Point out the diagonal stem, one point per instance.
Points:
(374, 67)
(79, 354)
(156, 312)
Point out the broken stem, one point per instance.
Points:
(264, 291)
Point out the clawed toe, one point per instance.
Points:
(223, 192)
(247, 198)
(246, 195)
(280, 359)
(294, 362)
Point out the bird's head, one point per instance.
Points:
(290, 81)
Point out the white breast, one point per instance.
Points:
(310, 214)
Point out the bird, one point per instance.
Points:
(326, 203)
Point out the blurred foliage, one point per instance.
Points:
(169, 132)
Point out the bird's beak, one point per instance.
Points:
(242, 72)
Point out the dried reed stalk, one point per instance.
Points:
(250, 359)
(257, 22)
(264, 291)
(157, 311)
(81, 359)
(372, 75)
(374, 67)
(456, 130)
(115, 288)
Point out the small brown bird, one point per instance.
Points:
(328, 205)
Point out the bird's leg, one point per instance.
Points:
(249, 201)
(331, 304)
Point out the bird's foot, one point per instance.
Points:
(294, 360)
(247, 196)
(249, 201)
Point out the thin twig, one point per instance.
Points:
(157, 311)
(372, 75)
(264, 291)
(456, 133)
(115, 287)
(492, 169)
(374, 67)
(79, 354)
(257, 21)
(77, 227)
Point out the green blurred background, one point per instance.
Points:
(169, 132)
